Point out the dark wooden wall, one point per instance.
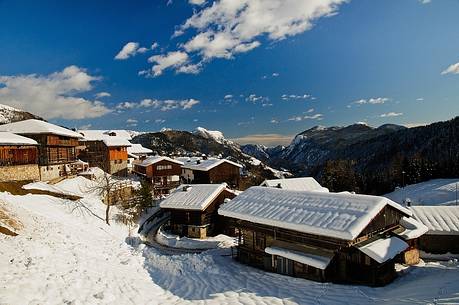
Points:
(18, 155)
(54, 149)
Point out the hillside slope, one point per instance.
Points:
(10, 115)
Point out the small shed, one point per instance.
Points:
(193, 208)
(442, 224)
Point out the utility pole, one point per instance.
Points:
(456, 193)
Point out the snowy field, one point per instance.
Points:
(432, 192)
(65, 255)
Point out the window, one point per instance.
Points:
(163, 167)
(260, 241)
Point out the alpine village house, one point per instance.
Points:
(210, 170)
(18, 158)
(105, 149)
(56, 146)
(162, 172)
(320, 236)
(193, 209)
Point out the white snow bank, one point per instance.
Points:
(174, 241)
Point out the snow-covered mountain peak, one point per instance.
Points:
(10, 114)
(211, 134)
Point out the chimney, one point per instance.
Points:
(279, 186)
(186, 188)
(198, 161)
(204, 156)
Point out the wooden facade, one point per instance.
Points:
(11, 155)
(224, 172)
(112, 160)
(164, 175)
(198, 224)
(348, 264)
(53, 149)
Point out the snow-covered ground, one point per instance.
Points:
(432, 192)
(65, 255)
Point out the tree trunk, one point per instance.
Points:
(107, 212)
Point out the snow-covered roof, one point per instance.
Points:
(155, 159)
(432, 192)
(440, 220)
(115, 142)
(138, 149)
(195, 197)
(413, 228)
(33, 126)
(296, 184)
(341, 216)
(382, 250)
(95, 134)
(8, 138)
(104, 136)
(320, 262)
(206, 164)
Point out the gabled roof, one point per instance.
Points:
(341, 216)
(104, 136)
(33, 126)
(206, 164)
(440, 220)
(8, 138)
(155, 159)
(138, 149)
(296, 184)
(97, 134)
(195, 197)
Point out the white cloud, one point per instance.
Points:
(228, 97)
(160, 121)
(288, 97)
(163, 105)
(130, 121)
(275, 74)
(253, 98)
(274, 121)
(102, 94)
(54, 95)
(197, 2)
(453, 69)
(129, 49)
(425, 1)
(317, 116)
(390, 114)
(230, 27)
(371, 101)
(171, 59)
(310, 110)
(420, 99)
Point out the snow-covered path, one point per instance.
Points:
(66, 256)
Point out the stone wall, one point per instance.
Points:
(117, 168)
(50, 172)
(19, 173)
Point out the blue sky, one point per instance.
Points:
(283, 66)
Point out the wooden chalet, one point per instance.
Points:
(342, 238)
(442, 224)
(18, 158)
(193, 209)
(296, 184)
(211, 170)
(106, 150)
(162, 172)
(56, 146)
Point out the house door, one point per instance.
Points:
(284, 266)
